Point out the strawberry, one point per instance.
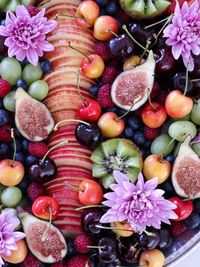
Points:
(104, 97)
(82, 242)
(151, 133)
(5, 87)
(5, 133)
(35, 190)
(38, 149)
(78, 261)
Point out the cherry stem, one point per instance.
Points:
(76, 49)
(78, 87)
(15, 147)
(194, 80)
(161, 30)
(187, 199)
(45, 234)
(90, 206)
(96, 247)
(186, 81)
(129, 110)
(75, 188)
(150, 102)
(124, 27)
(69, 16)
(112, 228)
(116, 35)
(65, 142)
(69, 120)
(157, 23)
(149, 233)
(144, 52)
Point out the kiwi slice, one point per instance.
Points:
(116, 154)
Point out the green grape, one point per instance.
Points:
(195, 115)
(39, 89)
(9, 101)
(3, 3)
(179, 130)
(12, 5)
(10, 70)
(11, 196)
(31, 73)
(196, 148)
(162, 145)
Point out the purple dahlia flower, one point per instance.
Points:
(26, 35)
(183, 33)
(8, 236)
(140, 204)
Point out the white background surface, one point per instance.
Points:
(191, 260)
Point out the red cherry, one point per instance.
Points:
(90, 192)
(153, 115)
(90, 110)
(184, 208)
(42, 205)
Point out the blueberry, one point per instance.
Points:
(139, 138)
(24, 183)
(1, 103)
(168, 188)
(3, 22)
(114, 109)
(93, 90)
(45, 65)
(24, 62)
(4, 117)
(20, 157)
(144, 152)
(147, 144)
(102, 12)
(170, 158)
(121, 111)
(102, 3)
(18, 134)
(120, 22)
(71, 249)
(134, 122)
(30, 160)
(4, 149)
(18, 146)
(193, 221)
(22, 83)
(112, 8)
(25, 144)
(2, 14)
(128, 132)
(197, 203)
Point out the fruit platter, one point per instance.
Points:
(99, 132)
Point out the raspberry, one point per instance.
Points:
(104, 97)
(151, 133)
(155, 89)
(110, 73)
(32, 10)
(38, 149)
(177, 228)
(161, 97)
(5, 133)
(35, 190)
(81, 243)
(5, 87)
(30, 260)
(101, 49)
(78, 261)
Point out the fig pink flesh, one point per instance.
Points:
(131, 86)
(29, 115)
(188, 176)
(51, 246)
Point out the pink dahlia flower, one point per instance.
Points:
(26, 35)
(8, 236)
(183, 33)
(140, 204)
